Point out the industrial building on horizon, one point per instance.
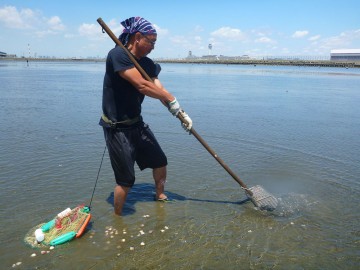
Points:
(345, 55)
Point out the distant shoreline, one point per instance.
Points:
(254, 62)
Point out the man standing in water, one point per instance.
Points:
(127, 137)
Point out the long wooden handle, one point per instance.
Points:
(179, 116)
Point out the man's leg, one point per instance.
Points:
(120, 194)
(159, 175)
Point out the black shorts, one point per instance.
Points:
(132, 144)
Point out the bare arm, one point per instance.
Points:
(159, 84)
(152, 89)
(156, 90)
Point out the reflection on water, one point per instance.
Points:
(292, 130)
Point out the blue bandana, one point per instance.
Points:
(133, 25)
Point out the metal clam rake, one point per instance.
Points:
(257, 194)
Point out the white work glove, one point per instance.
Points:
(187, 126)
(174, 107)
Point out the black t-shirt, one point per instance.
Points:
(121, 100)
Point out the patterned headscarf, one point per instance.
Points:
(133, 25)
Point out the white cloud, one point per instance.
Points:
(91, 31)
(43, 33)
(197, 39)
(198, 29)
(343, 40)
(178, 40)
(314, 38)
(264, 40)
(347, 39)
(300, 34)
(30, 19)
(55, 24)
(229, 33)
(161, 31)
(69, 36)
(12, 18)
(115, 27)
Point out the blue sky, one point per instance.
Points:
(233, 27)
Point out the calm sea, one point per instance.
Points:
(293, 130)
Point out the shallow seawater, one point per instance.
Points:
(292, 130)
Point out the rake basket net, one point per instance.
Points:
(72, 222)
